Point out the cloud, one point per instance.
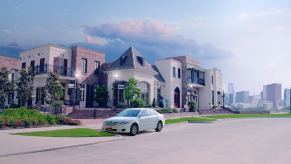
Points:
(153, 37)
(95, 40)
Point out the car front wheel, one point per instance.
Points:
(159, 126)
(133, 129)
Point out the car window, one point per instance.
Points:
(129, 113)
(144, 113)
(152, 112)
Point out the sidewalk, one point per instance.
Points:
(14, 144)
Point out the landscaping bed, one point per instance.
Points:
(26, 118)
(76, 132)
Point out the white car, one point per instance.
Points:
(134, 120)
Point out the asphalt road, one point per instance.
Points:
(245, 141)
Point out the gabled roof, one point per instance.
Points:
(132, 59)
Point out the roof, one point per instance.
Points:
(132, 59)
(129, 60)
(9, 63)
(158, 75)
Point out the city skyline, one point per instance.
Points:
(247, 40)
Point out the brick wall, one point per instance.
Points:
(90, 77)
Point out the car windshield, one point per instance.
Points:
(129, 113)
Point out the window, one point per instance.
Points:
(97, 67)
(32, 65)
(174, 71)
(120, 95)
(144, 113)
(179, 73)
(41, 65)
(84, 65)
(23, 66)
(212, 79)
(140, 60)
(82, 95)
(123, 60)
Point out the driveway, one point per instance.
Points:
(243, 141)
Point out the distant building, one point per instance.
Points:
(231, 93)
(286, 102)
(272, 93)
(242, 97)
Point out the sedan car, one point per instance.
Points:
(134, 120)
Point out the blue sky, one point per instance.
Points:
(248, 39)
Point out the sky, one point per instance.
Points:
(249, 40)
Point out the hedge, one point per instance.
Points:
(26, 118)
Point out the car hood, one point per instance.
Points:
(116, 118)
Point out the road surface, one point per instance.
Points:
(242, 141)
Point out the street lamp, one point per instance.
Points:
(77, 76)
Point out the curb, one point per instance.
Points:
(60, 148)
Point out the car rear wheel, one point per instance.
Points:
(159, 126)
(133, 129)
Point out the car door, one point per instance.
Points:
(153, 119)
(144, 121)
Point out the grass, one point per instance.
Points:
(207, 119)
(191, 119)
(226, 116)
(76, 132)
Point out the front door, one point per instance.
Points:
(177, 98)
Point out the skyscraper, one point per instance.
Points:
(286, 102)
(242, 97)
(272, 93)
(231, 93)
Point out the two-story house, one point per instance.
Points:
(74, 65)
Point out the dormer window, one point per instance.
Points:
(123, 60)
(140, 60)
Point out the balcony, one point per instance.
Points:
(195, 76)
(59, 70)
(196, 81)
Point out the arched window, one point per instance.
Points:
(177, 98)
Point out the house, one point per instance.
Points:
(131, 64)
(175, 80)
(78, 70)
(12, 66)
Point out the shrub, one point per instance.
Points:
(192, 106)
(137, 103)
(167, 110)
(22, 117)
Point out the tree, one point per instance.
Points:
(101, 95)
(53, 91)
(6, 87)
(24, 87)
(132, 92)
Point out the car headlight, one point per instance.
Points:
(123, 122)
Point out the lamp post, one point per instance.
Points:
(77, 76)
(115, 76)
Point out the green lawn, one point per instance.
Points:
(226, 116)
(192, 119)
(206, 119)
(76, 132)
